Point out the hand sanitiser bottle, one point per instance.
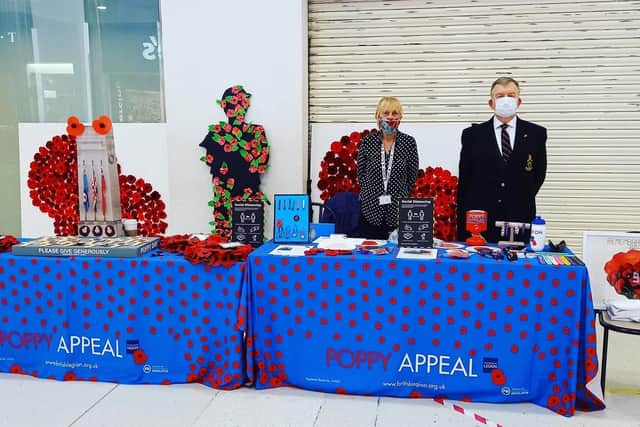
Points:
(538, 234)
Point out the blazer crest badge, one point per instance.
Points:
(529, 165)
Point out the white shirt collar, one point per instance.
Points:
(497, 123)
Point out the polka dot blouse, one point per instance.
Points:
(404, 172)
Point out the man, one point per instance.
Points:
(503, 163)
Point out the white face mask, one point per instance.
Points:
(506, 106)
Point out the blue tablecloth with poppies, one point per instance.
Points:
(476, 329)
(154, 319)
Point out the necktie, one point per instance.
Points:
(506, 144)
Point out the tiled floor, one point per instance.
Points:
(25, 401)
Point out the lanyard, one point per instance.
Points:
(386, 172)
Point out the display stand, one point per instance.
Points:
(248, 223)
(415, 223)
(98, 185)
(291, 218)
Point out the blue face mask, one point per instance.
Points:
(506, 106)
(389, 126)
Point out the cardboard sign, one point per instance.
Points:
(613, 261)
(247, 223)
(116, 247)
(415, 223)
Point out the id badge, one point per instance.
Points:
(385, 199)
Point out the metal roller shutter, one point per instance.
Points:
(578, 63)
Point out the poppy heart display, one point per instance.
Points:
(53, 188)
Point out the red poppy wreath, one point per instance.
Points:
(207, 251)
(6, 242)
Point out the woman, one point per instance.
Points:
(387, 171)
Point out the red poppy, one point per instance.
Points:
(590, 365)
(70, 376)
(15, 369)
(74, 127)
(276, 382)
(553, 401)
(497, 377)
(264, 378)
(7, 242)
(355, 137)
(139, 356)
(102, 125)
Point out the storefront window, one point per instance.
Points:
(74, 57)
(83, 58)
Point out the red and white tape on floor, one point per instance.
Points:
(459, 409)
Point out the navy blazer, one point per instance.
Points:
(506, 190)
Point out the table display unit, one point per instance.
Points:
(475, 329)
(153, 320)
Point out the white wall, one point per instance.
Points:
(209, 46)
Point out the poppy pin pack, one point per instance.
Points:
(291, 218)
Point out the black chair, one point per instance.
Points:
(617, 326)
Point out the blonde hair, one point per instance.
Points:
(388, 103)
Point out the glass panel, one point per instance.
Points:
(126, 59)
(83, 57)
(74, 57)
